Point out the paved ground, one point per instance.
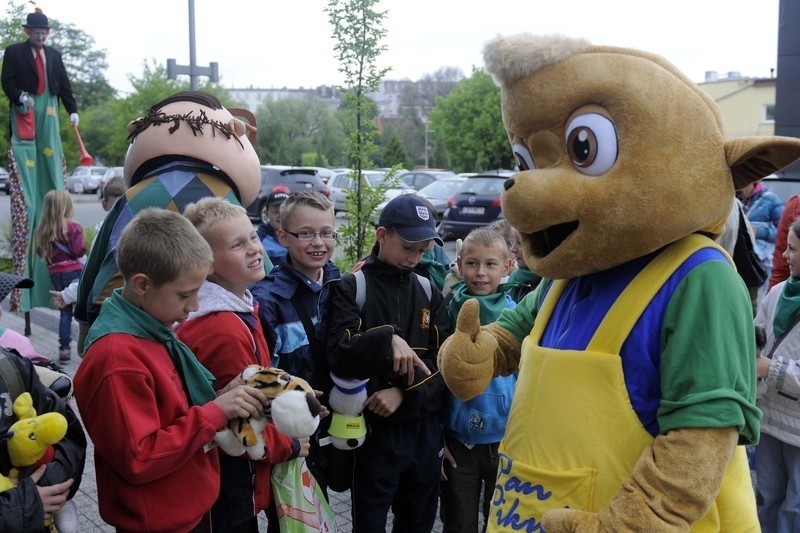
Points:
(44, 328)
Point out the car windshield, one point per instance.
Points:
(483, 186)
(441, 188)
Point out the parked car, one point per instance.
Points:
(343, 182)
(476, 204)
(437, 193)
(5, 184)
(325, 174)
(295, 178)
(111, 172)
(84, 179)
(418, 179)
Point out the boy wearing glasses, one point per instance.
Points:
(293, 298)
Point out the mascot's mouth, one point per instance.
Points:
(545, 241)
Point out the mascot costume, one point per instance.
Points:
(187, 147)
(636, 354)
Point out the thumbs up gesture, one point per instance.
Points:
(466, 358)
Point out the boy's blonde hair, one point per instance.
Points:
(114, 188)
(502, 227)
(208, 211)
(57, 210)
(304, 198)
(488, 237)
(162, 245)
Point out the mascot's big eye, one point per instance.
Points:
(592, 143)
(523, 157)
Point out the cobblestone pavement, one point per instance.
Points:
(44, 335)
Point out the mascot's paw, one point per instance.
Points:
(557, 520)
(466, 359)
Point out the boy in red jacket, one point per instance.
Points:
(226, 335)
(147, 403)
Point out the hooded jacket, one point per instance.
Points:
(226, 336)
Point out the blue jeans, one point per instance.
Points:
(778, 483)
(60, 281)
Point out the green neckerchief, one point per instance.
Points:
(491, 304)
(521, 279)
(788, 305)
(118, 315)
(436, 272)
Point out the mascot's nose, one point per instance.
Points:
(508, 183)
(314, 407)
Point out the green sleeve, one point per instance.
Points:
(519, 320)
(708, 374)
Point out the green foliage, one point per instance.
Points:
(292, 127)
(362, 213)
(358, 31)
(395, 153)
(471, 123)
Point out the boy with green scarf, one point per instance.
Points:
(474, 429)
(147, 403)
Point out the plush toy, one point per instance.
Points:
(294, 409)
(30, 440)
(348, 428)
(454, 275)
(636, 378)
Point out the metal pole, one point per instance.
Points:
(426, 144)
(192, 52)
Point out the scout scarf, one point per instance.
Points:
(120, 316)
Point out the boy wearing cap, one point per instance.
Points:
(267, 232)
(393, 341)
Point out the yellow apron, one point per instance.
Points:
(572, 434)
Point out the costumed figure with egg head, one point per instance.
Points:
(187, 147)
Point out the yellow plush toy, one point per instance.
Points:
(636, 353)
(30, 439)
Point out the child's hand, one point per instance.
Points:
(242, 402)
(385, 402)
(323, 409)
(305, 445)
(57, 300)
(762, 367)
(232, 384)
(53, 497)
(405, 359)
(450, 459)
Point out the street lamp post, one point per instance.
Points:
(427, 146)
(194, 71)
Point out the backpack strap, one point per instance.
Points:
(9, 373)
(361, 287)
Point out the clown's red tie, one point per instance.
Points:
(40, 70)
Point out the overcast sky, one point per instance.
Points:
(287, 43)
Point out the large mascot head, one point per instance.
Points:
(620, 154)
(195, 126)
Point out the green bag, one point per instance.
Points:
(302, 507)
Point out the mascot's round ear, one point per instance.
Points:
(246, 122)
(752, 158)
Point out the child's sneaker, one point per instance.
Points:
(64, 354)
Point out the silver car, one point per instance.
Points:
(343, 182)
(84, 179)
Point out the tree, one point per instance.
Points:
(471, 123)
(291, 128)
(358, 31)
(395, 153)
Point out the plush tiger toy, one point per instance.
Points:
(294, 409)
